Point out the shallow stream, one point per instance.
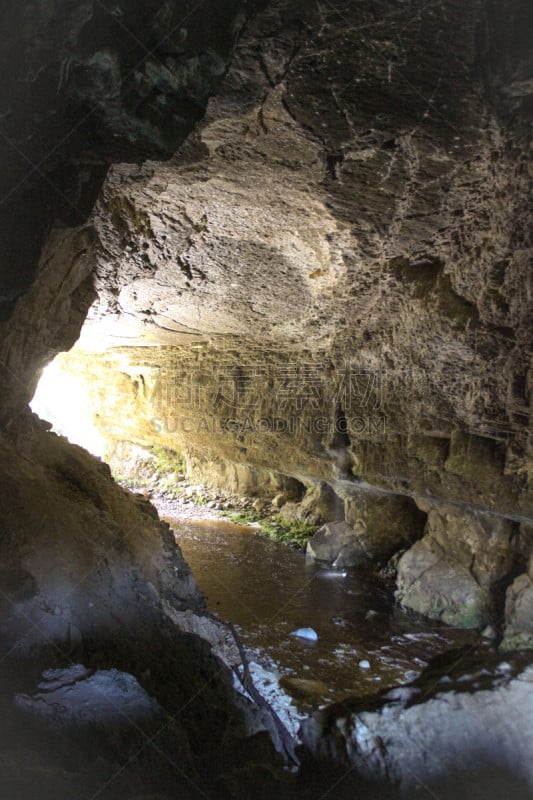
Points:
(365, 641)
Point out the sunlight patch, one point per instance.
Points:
(61, 400)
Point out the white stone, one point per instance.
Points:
(306, 633)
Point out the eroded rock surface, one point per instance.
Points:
(456, 571)
(90, 574)
(84, 84)
(444, 733)
(345, 288)
(326, 290)
(519, 602)
(81, 557)
(330, 280)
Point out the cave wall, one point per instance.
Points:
(332, 277)
(329, 280)
(343, 241)
(392, 288)
(93, 588)
(82, 85)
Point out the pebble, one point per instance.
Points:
(364, 664)
(306, 633)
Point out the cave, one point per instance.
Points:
(266, 520)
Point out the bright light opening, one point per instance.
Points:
(60, 399)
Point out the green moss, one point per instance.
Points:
(168, 460)
(515, 640)
(242, 519)
(473, 614)
(295, 534)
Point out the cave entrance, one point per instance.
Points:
(62, 400)
(153, 414)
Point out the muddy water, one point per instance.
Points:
(365, 642)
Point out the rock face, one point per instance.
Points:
(325, 292)
(351, 300)
(456, 570)
(442, 734)
(82, 85)
(376, 526)
(385, 523)
(330, 279)
(335, 544)
(117, 562)
(519, 613)
(88, 572)
(519, 603)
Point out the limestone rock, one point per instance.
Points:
(518, 630)
(384, 523)
(320, 504)
(437, 586)
(77, 95)
(519, 614)
(279, 500)
(422, 394)
(336, 543)
(87, 568)
(86, 548)
(77, 697)
(446, 733)
(376, 526)
(453, 572)
(363, 319)
(259, 506)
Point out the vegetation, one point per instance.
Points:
(164, 470)
(295, 534)
(169, 461)
(169, 465)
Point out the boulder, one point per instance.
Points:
(518, 630)
(453, 573)
(279, 500)
(77, 697)
(336, 543)
(260, 506)
(433, 584)
(376, 526)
